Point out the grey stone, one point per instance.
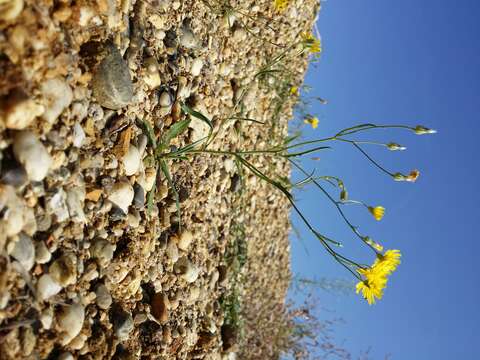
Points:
(123, 324)
(103, 299)
(112, 83)
(24, 251)
(31, 153)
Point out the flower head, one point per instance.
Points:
(294, 91)
(395, 147)
(377, 212)
(311, 43)
(375, 277)
(413, 176)
(388, 262)
(280, 5)
(421, 130)
(313, 121)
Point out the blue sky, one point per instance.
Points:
(413, 62)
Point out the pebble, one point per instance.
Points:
(11, 9)
(64, 270)
(104, 299)
(187, 38)
(131, 161)
(42, 255)
(184, 240)
(139, 196)
(78, 135)
(58, 96)
(123, 324)
(103, 251)
(47, 287)
(20, 111)
(160, 305)
(197, 66)
(46, 318)
(4, 299)
(24, 251)
(75, 202)
(183, 90)
(56, 204)
(31, 153)
(152, 76)
(70, 320)
(150, 177)
(122, 195)
(172, 251)
(13, 217)
(13, 173)
(112, 83)
(165, 99)
(187, 270)
(65, 356)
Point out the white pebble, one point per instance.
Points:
(131, 160)
(24, 251)
(58, 95)
(78, 135)
(47, 287)
(185, 240)
(70, 320)
(31, 153)
(197, 66)
(122, 195)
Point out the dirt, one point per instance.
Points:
(90, 267)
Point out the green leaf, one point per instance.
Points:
(175, 130)
(166, 172)
(148, 130)
(188, 110)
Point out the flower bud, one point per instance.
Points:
(421, 130)
(394, 147)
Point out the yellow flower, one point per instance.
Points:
(413, 176)
(421, 130)
(375, 278)
(373, 285)
(294, 91)
(280, 5)
(313, 121)
(311, 43)
(388, 262)
(377, 212)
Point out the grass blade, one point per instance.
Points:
(166, 172)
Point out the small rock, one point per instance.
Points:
(19, 111)
(165, 99)
(42, 255)
(28, 340)
(197, 66)
(188, 271)
(13, 173)
(78, 135)
(134, 219)
(185, 240)
(150, 177)
(104, 299)
(65, 356)
(142, 142)
(139, 197)
(75, 202)
(13, 209)
(64, 269)
(4, 299)
(112, 83)
(122, 195)
(160, 305)
(172, 251)
(31, 153)
(11, 9)
(24, 251)
(58, 96)
(123, 324)
(131, 161)
(46, 318)
(47, 287)
(152, 76)
(103, 251)
(70, 320)
(56, 204)
(183, 90)
(187, 38)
